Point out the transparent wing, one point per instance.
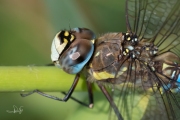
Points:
(140, 94)
(156, 21)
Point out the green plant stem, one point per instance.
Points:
(28, 78)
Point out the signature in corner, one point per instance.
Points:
(16, 110)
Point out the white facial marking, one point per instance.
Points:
(54, 52)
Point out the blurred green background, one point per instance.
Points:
(27, 28)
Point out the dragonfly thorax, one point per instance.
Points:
(138, 50)
(108, 52)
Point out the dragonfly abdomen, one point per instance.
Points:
(168, 69)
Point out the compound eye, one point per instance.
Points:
(83, 33)
(71, 50)
(76, 56)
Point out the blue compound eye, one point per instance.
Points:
(74, 59)
(71, 50)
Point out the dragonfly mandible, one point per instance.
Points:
(143, 62)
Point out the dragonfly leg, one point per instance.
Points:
(113, 105)
(91, 102)
(90, 93)
(67, 95)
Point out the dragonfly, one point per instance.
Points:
(141, 67)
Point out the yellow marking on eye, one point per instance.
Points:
(128, 38)
(102, 75)
(127, 50)
(92, 41)
(65, 40)
(72, 38)
(66, 33)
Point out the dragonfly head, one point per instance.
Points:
(71, 50)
